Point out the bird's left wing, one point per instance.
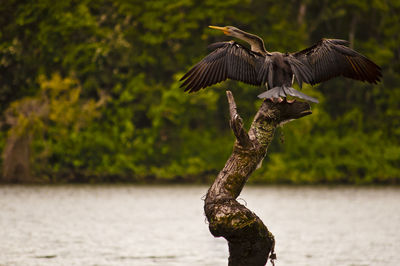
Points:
(227, 60)
(330, 58)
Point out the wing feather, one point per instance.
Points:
(330, 58)
(227, 60)
(301, 71)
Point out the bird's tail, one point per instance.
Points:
(283, 92)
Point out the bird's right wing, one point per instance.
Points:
(330, 58)
(227, 60)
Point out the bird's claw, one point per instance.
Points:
(276, 100)
(280, 100)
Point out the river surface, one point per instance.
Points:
(165, 225)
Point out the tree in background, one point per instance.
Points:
(126, 57)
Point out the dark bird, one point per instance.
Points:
(326, 59)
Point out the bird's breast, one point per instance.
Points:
(282, 73)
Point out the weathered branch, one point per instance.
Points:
(249, 240)
(236, 122)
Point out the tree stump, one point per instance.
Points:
(250, 242)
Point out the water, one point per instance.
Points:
(142, 225)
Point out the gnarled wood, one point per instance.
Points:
(249, 240)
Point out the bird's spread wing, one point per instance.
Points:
(330, 58)
(227, 60)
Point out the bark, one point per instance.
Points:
(302, 13)
(352, 30)
(23, 118)
(16, 155)
(250, 242)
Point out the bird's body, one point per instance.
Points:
(277, 71)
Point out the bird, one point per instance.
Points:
(326, 59)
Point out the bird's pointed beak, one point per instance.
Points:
(224, 29)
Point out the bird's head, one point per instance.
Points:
(257, 44)
(230, 31)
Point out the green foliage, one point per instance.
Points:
(337, 157)
(105, 74)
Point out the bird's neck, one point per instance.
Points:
(256, 43)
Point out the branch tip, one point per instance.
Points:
(236, 122)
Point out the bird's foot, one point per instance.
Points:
(276, 100)
(280, 100)
(290, 101)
